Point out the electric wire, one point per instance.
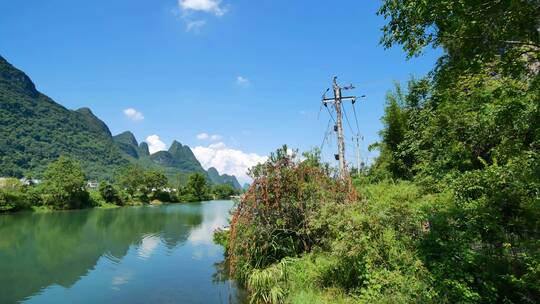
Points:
(331, 116)
(326, 134)
(347, 119)
(356, 119)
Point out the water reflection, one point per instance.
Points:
(140, 255)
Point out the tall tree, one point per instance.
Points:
(197, 187)
(471, 32)
(131, 179)
(154, 180)
(64, 184)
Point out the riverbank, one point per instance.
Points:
(64, 186)
(103, 205)
(364, 251)
(300, 235)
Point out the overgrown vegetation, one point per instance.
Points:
(449, 212)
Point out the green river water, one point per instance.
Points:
(162, 254)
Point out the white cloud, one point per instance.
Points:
(148, 245)
(202, 136)
(207, 6)
(155, 144)
(195, 25)
(228, 160)
(133, 114)
(205, 136)
(215, 137)
(217, 146)
(242, 81)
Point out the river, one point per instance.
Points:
(161, 254)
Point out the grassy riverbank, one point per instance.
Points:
(301, 237)
(338, 246)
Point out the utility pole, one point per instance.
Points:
(337, 101)
(356, 139)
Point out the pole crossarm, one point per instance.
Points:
(342, 98)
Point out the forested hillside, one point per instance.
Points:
(449, 212)
(217, 179)
(36, 130)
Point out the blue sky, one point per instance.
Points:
(249, 72)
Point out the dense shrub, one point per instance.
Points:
(109, 193)
(272, 220)
(367, 253)
(12, 195)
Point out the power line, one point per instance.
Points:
(326, 134)
(330, 113)
(356, 119)
(347, 119)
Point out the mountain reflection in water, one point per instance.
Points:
(159, 254)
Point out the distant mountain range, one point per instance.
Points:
(35, 130)
(178, 162)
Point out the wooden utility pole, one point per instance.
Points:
(356, 139)
(337, 101)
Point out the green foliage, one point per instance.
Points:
(366, 253)
(493, 225)
(95, 199)
(471, 32)
(141, 184)
(271, 221)
(109, 193)
(130, 179)
(265, 285)
(224, 191)
(221, 237)
(197, 188)
(480, 141)
(35, 131)
(472, 131)
(154, 180)
(450, 210)
(12, 195)
(224, 179)
(64, 184)
(373, 245)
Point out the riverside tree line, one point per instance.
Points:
(449, 212)
(64, 186)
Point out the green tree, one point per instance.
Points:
(224, 191)
(131, 179)
(12, 195)
(109, 193)
(197, 188)
(471, 32)
(154, 180)
(64, 184)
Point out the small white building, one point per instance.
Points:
(30, 181)
(92, 185)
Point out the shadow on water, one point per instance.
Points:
(133, 248)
